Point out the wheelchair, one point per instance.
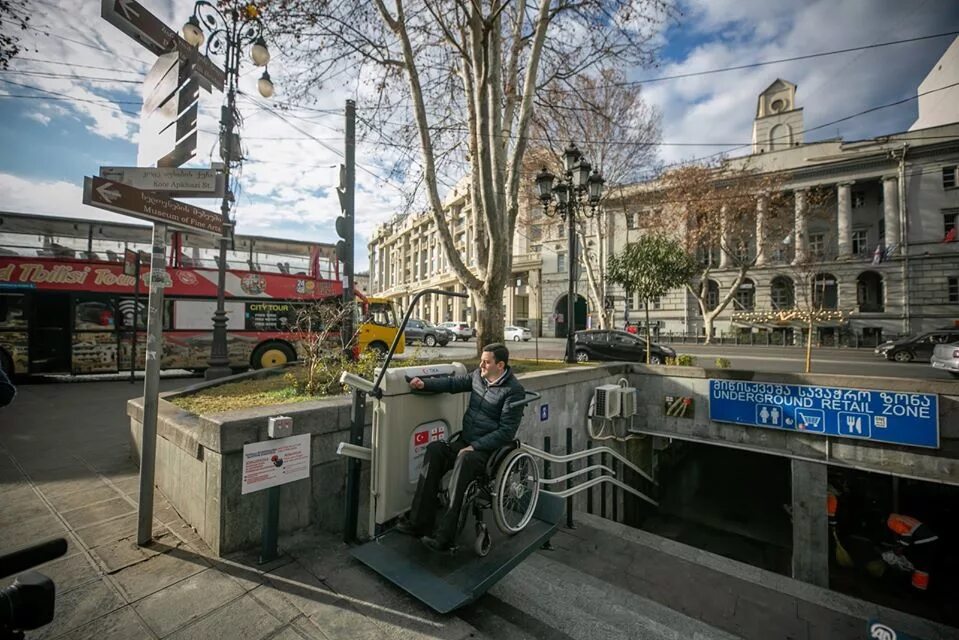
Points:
(509, 488)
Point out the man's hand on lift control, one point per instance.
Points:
(417, 384)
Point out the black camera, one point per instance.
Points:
(28, 603)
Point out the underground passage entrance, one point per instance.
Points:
(737, 504)
(727, 501)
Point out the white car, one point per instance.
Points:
(946, 358)
(517, 333)
(460, 330)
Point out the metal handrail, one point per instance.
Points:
(587, 452)
(569, 476)
(599, 480)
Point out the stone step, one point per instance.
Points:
(542, 598)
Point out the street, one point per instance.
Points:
(758, 358)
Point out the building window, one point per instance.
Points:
(536, 233)
(858, 199)
(630, 220)
(782, 293)
(952, 287)
(560, 262)
(712, 295)
(869, 292)
(746, 296)
(949, 177)
(817, 244)
(882, 231)
(950, 225)
(825, 291)
(860, 241)
(656, 302)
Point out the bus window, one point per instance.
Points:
(382, 313)
(13, 313)
(197, 315)
(93, 313)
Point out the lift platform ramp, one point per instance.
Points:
(404, 423)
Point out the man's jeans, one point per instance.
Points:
(440, 457)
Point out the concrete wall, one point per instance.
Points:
(934, 465)
(199, 465)
(199, 458)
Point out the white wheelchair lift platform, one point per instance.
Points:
(404, 423)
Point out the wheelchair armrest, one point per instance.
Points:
(498, 456)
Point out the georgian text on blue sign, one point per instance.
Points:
(879, 416)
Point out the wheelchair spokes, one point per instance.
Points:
(516, 492)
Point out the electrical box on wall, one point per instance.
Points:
(607, 401)
(280, 427)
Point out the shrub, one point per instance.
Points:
(682, 360)
(723, 363)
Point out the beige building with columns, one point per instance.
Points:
(407, 256)
(879, 244)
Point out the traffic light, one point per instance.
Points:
(344, 229)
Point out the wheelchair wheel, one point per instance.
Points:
(469, 497)
(483, 541)
(516, 491)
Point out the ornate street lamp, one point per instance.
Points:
(570, 196)
(231, 27)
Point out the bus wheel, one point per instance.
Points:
(272, 354)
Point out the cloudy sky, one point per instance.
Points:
(70, 102)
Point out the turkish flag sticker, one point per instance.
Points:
(421, 437)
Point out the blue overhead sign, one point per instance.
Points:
(879, 416)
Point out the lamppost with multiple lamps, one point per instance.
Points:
(231, 27)
(577, 193)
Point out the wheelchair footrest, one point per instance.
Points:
(445, 582)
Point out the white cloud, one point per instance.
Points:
(52, 197)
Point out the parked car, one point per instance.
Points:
(919, 347)
(462, 330)
(883, 347)
(600, 344)
(517, 333)
(425, 332)
(946, 358)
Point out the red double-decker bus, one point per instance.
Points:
(67, 305)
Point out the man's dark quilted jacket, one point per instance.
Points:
(489, 421)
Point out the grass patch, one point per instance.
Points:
(279, 389)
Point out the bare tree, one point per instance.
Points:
(456, 77)
(728, 216)
(618, 132)
(14, 19)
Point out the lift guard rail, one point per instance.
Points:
(595, 481)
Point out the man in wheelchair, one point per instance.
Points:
(490, 422)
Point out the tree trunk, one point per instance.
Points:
(708, 319)
(490, 319)
(809, 345)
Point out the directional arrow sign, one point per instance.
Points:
(130, 201)
(108, 193)
(132, 19)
